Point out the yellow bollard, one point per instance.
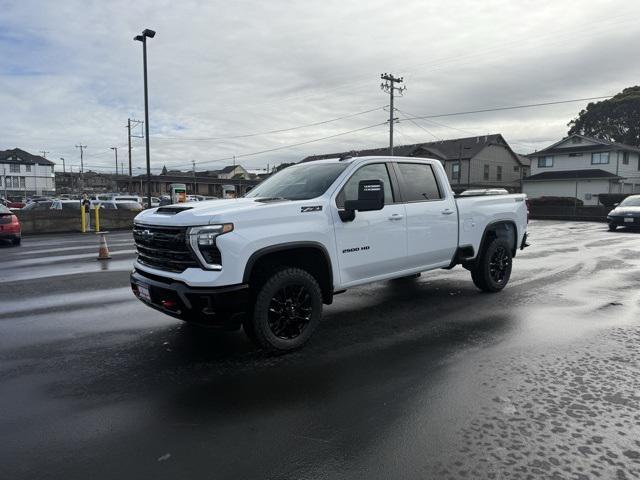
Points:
(83, 220)
(97, 209)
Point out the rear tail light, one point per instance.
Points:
(527, 203)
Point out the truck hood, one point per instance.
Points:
(207, 212)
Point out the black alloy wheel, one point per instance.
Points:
(290, 311)
(499, 265)
(491, 271)
(286, 311)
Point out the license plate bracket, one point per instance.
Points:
(143, 292)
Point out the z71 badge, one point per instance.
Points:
(315, 208)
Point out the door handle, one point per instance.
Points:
(447, 212)
(396, 216)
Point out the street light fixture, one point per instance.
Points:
(146, 33)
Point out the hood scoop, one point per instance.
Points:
(171, 210)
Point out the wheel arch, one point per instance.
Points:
(311, 256)
(500, 229)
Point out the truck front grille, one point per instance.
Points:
(164, 248)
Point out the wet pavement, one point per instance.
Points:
(421, 378)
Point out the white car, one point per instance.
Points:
(271, 259)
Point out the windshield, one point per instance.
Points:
(299, 182)
(631, 202)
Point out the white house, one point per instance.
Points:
(22, 174)
(583, 167)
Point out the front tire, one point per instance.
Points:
(287, 310)
(492, 270)
(612, 227)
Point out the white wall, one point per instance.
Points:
(568, 189)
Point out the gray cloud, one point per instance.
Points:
(73, 73)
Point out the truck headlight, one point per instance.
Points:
(203, 243)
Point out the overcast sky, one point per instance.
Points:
(71, 73)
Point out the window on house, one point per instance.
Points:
(28, 168)
(545, 162)
(486, 172)
(516, 168)
(499, 173)
(14, 168)
(52, 169)
(599, 158)
(625, 158)
(455, 171)
(22, 182)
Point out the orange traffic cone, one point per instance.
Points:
(103, 253)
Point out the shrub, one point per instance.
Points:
(608, 199)
(556, 201)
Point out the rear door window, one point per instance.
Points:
(419, 182)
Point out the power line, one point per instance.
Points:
(514, 107)
(284, 147)
(269, 132)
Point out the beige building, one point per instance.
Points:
(583, 167)
(486, 161)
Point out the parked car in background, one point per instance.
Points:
(134, 206)
(38, 205)
(65, 205)
(9, 226)
(127, 198)
(625, 213)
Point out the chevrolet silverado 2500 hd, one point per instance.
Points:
(270, 260)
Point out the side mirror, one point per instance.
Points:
(370, 198)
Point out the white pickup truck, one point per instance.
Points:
(270, 260)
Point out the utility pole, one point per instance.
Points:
(81, 147)
(129, 139)
(132, 122)
(115, 149)
(389, 86)
(195, 185)
(63, 169)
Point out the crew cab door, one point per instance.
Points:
(374, 243)
(432, 216)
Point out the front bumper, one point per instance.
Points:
(622, 220)
(212, 306)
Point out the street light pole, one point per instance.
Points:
(146, 33)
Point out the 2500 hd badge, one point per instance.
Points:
(356, 249)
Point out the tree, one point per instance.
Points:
(164, 170)
(616, 119)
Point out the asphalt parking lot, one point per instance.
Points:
(423, 378)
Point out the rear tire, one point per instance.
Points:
(16, 241)
(287, 310)
(612, 227)
(492, 270)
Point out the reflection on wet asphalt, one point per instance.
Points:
(422, 378)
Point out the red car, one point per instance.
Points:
(9, 226)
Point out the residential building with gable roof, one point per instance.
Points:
(485, 161)
(583, 167)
